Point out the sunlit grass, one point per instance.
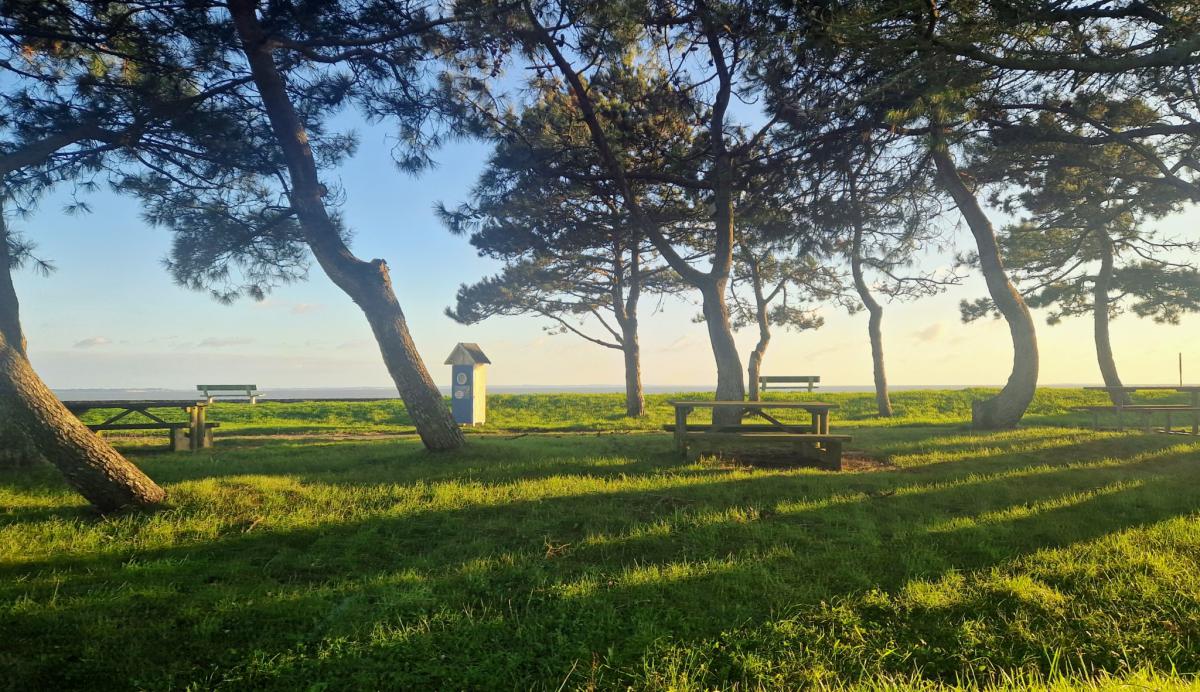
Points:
(1042, 558)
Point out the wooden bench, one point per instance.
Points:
(247, 390)
(1145, 411)
(808, 382)
(824, 448)
(812, 440)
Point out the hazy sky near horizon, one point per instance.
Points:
(111, 317)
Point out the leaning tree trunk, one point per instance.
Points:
(32, 412)
(1100, 317)
(883, 400)
(1006, 408)
(754, 369)
(367, 283)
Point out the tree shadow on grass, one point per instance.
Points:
(513, 592)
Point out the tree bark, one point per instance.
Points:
(625, 309)
(367, 283)
(635, 400)
(32, 412)
(16, 449)
(1100, 317)
(730, 386)
(883, 400)
(754, 368)
(1006, 408)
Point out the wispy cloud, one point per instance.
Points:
(93, 342)
(217, 342)
(930, 333)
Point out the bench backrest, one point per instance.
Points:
(226, 387)
(808, 382)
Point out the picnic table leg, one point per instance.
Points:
(197, 428)
(206, 433)
(833, 455)
(1195, 414)
(179, 439)
(1145, 421)
(681, 416)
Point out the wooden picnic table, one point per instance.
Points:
(195, 434)
(1191, 389)
(808, 434)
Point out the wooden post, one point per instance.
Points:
(196, 427)
(179, 439)
(681, 416)
(833, 455)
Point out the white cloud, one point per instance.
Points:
(93, 341)
(216, 342)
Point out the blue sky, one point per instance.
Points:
(111, 317)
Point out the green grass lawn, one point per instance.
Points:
(1050, 556)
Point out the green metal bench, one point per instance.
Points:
(808, 382)
(211, 391)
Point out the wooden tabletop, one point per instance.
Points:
(131, 404)
(708, 403)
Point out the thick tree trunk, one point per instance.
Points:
(635, 400)
(1104, 353)
(1006, 408)
(730, 386)
(33, 413)
(16, 449)
(883, 400)
(367, 283)
(625, 309)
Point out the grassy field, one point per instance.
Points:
(1047, 557)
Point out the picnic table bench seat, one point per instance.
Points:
(179, 433)
(811, 440)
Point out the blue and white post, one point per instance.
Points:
(468, 384)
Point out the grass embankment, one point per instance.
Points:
(1044, 556)
(602, 412)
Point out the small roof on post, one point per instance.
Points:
(467, 354)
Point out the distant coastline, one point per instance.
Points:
(273, 392)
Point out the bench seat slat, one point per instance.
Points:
(147, 426)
